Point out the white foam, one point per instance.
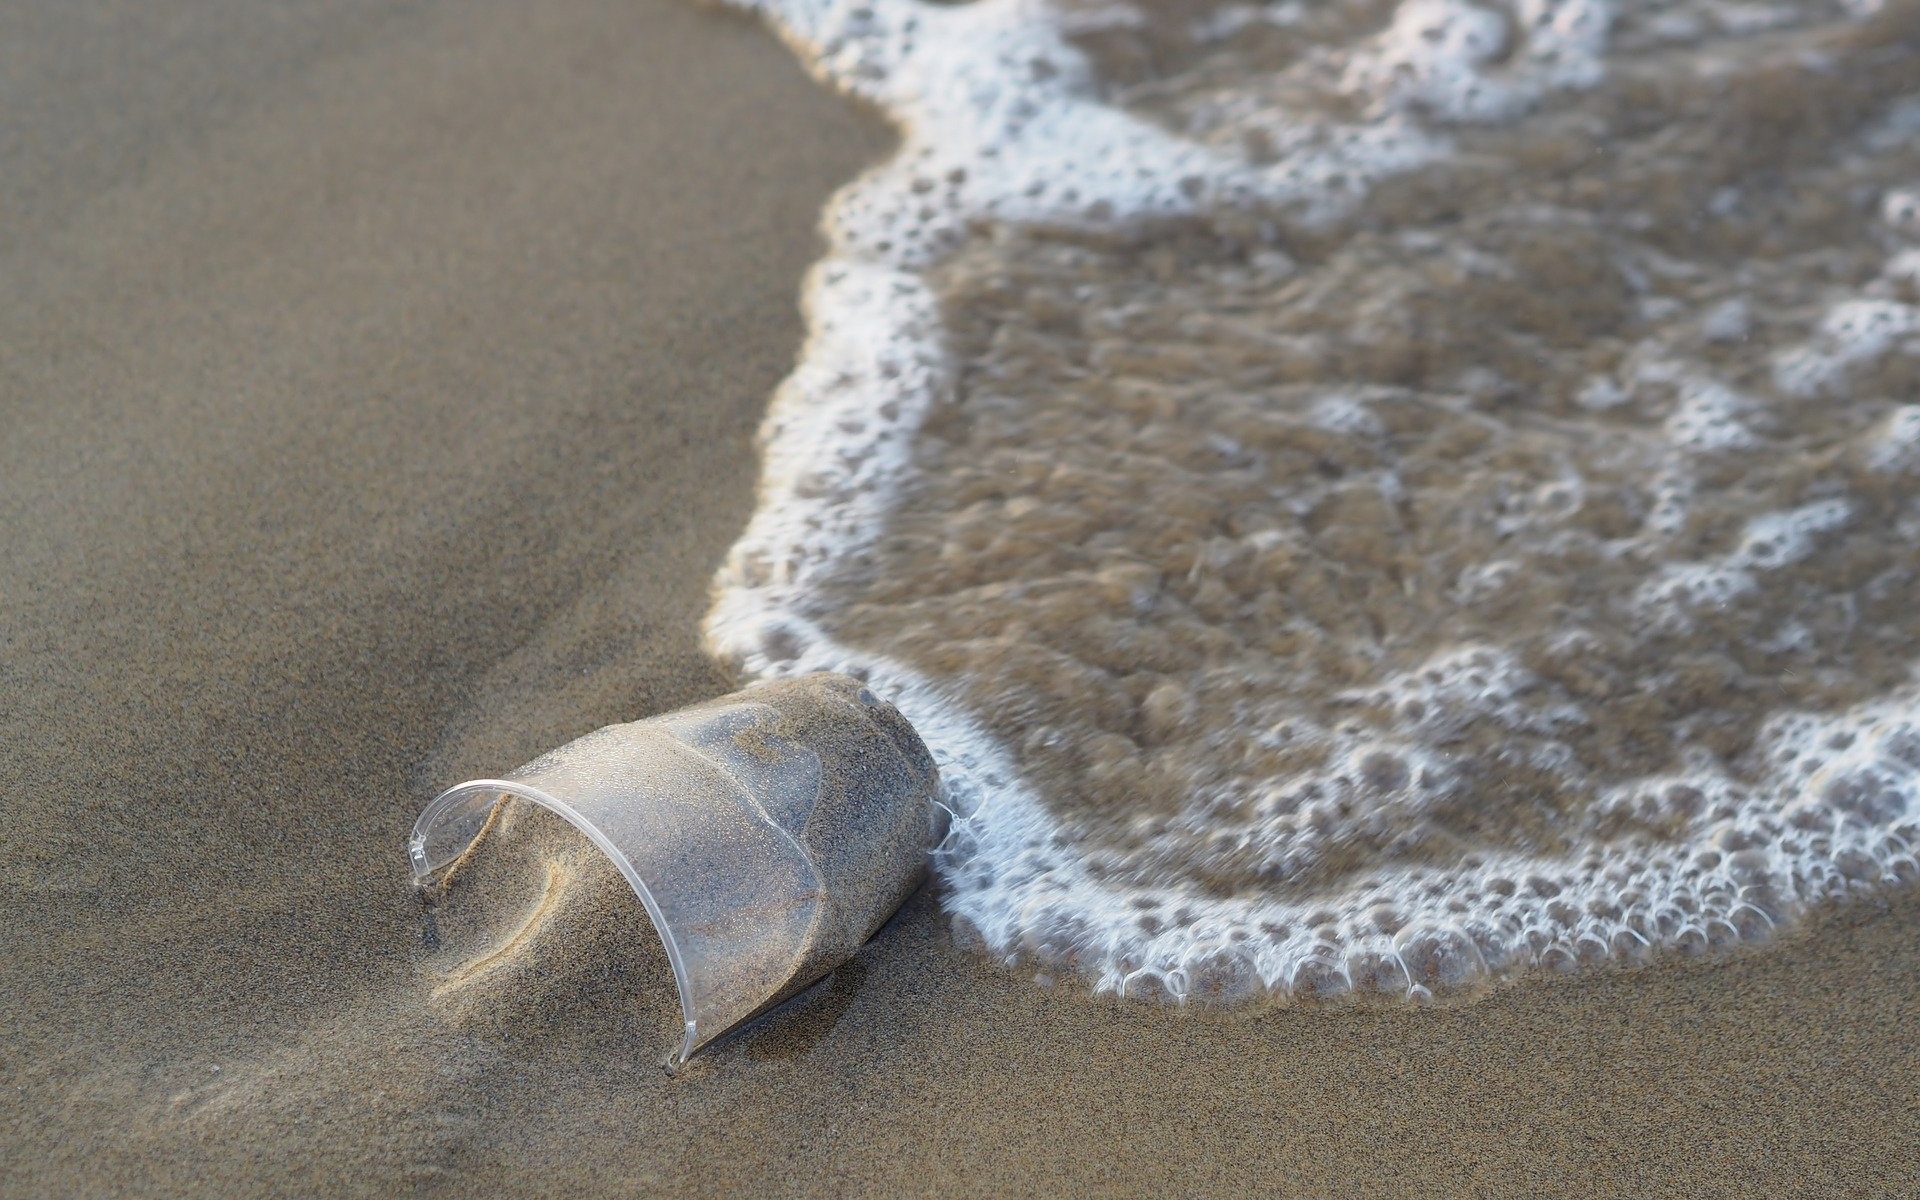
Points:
(1461, 62)
(1770, 542)
(1903, 269)
(1900, 209)
(1344, 414)
(1233, 19)
(1853, 334)
(1710, 416)
(1001, 121)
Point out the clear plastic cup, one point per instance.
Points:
(769, 833)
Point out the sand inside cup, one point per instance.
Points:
(767, 834)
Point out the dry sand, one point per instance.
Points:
(379, 383)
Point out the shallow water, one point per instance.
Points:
(1368, 498)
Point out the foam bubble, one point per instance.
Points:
(1464, 62)
(1710, 416)
(1851, 335)
(1770, 541)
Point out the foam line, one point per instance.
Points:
(1003, 122)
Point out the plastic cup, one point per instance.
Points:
(768, 833)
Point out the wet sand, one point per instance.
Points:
(379, 386)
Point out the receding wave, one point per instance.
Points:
(1368, 498)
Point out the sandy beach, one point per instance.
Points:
(380, 386)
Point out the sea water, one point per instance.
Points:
(1368, 498)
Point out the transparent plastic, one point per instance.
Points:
(769, 833)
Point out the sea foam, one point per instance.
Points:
(1338, 535)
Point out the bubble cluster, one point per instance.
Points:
(1342, 536)
(1463, 62)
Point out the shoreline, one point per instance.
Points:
(401, 402)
